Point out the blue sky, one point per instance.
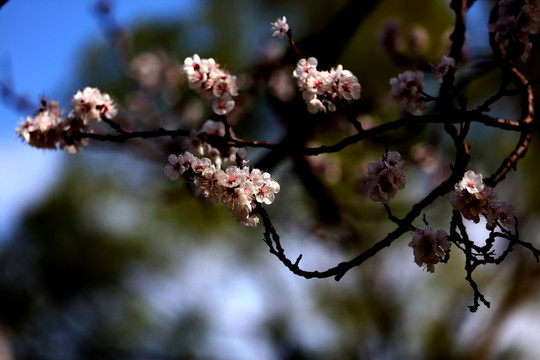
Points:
(40, 46)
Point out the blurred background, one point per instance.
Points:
(102, 257)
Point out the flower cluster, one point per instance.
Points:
(407, 89)
(443, 66)
(205, 77)
(48, 128)
(429, 246)
(472, 198)
(321, 90)
(239, 189)
(517, 20)
(385, 177)
(223, 157)
(90, 105)
(280, 27)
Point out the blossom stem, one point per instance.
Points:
(293, 45)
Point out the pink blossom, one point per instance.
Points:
(443, 66)
(517, 21)
(407, 90)
(280, 27)
(322, 90)
(239, 189)
(472, 198)
(90, 105)
(385, 177)
(428, 247)
(206, 77)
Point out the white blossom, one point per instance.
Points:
(44, 129)
(385, 177)
(471, 182)
(212, 127)
(206, 77)
(49, 129)
(323, 90)
(472, 198)
(90, 105)
(223, 105)
(443, 66)
(201, 148)
(239, 189)
(177, 165)
(231, 177)
(407, 90)
(428, 247)
(280, 27)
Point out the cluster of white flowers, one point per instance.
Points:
(205, 77)
(90, 105)
(385, 177)
(280, 27)
(517, 20)
(48, 128)
(407, 90)
(44, 129)
(473, 198)
(321, 90)
(428, 247)
(239, 189)
(221, 157)
(443, 66)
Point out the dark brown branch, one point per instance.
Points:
(272, 239)
(470, 261)
(527, 122)
(410, 120)
(293, 45)
(116, 126)
(133, 135)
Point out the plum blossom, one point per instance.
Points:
(323, 90)
(49, 129)
(443, 66)
(472, 198)
(178, 164)
(223, 105)
(206, 78)
(407, 90)
(90, 105)
(385, 177)
(212, 127)
(517, 21)
(471, 182)
(429, 246)
(238, 188)
(265, 188)
(280, 27)
(44, 129)
(232, 177)
(222, 157)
